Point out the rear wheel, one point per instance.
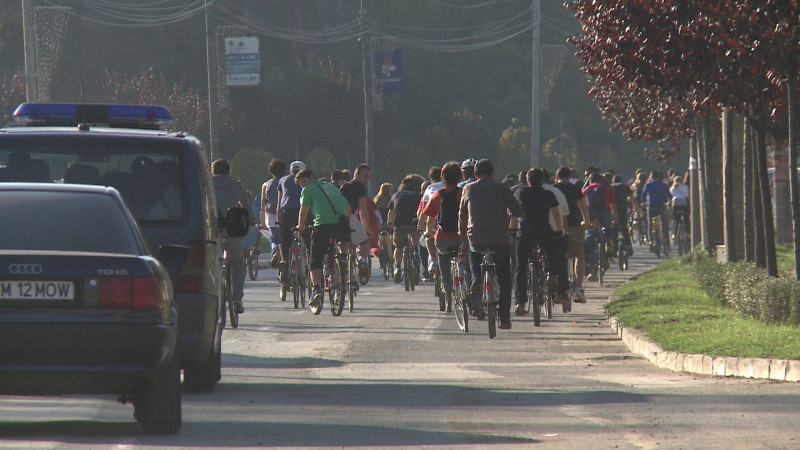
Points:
(534, 294)
(407, 267)
(490, 301)
(548, 301)
(459, 301)
(338, 274)
(353, 280)
(233, 314)
(158, 407)
(252, 266)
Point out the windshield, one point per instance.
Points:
(65, 221)
(147, 172)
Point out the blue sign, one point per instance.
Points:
(389, 71)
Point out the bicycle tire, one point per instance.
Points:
(533, 294)
(234, 316)
(599, 250)
(406, 268)
(548, 303)
(459, 292)
(352, 280)
(414, 269)
(489, 300)
(338, 292)
(252, 266)
(440, 295)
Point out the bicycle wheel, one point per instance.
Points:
(598, 258)
(252, 266)
(534, 305)
(352, 280)
(414, 268)
(407, 267)
(548, 301)
(490, 300)
(339, 291)
(459, 293)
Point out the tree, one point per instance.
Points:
(321, 161)
(249, 166)
(12, 93)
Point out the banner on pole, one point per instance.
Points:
(388, 71)
(242, 64)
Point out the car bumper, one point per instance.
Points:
(82, 358)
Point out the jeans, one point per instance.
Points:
(502, 264)
(235, 252)
(444, 249)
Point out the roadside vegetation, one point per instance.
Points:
(694, 305)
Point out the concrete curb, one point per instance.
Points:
(721, 366)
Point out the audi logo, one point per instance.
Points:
(25, 269)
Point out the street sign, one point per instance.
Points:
(388, 71)
(242, 65)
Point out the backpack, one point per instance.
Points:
(596, 198)
(448, 211)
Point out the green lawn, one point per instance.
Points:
(668, 305)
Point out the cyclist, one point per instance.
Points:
(483, 221)
(269, 208)
(603, 213)
(657, 197)
(435, 175)
(328, 205)
(288, 209)
(231, 193)
(622, 194)
(538, 206)
(577, 221)
(402, 212)
(467, 171)
(680, 204)
(444, 206)
(355, 191)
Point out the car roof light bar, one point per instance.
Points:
(73, 114)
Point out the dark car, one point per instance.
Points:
(164, 178)
(84, 308)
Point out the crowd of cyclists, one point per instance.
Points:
(576, 223)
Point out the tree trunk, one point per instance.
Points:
(694, 186)
(715, 217)
(793, 188)
(758, 210)
(701, 182)
(728, 186)
(766, 198)
(747, 187)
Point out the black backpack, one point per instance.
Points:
(448, 211)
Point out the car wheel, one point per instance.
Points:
(203, 377)
(158, 408)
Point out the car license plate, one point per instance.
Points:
(37, 290)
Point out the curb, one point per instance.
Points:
(721, 366)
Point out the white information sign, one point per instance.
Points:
(242, 65)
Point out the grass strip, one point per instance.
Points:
(666, 303)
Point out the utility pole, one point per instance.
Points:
(29, 38)
(366, 67)
(536, 83)
(213, 87)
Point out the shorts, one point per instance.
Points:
(359, 234)
(575, 242)
(321, 242)
(401, 235)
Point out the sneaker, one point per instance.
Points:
(238, 306)
(433, 268)
(520, 310)
(316, 298)
(562, 298)
(363, 272)
(505, 324)
(591, 276)
(398, 275)
(580, 297)
(274, 263)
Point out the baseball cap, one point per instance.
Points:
(297, 166)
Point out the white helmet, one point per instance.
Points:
(297, 166)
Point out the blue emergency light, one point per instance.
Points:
(73, 114)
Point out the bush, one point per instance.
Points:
(748, 289)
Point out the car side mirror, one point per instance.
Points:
(237, 222)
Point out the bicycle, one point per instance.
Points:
(227, 293)
(601, 257)
(633, 228)
(682, 235)
(439, 293)
(353, 280)
(387, 249)
(539, 299)
(410, 264)
(656, 236)
(459, 298)
(490, 297)
(622, 250)
(251, 260)
(298, 270)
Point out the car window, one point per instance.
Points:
(147, 172)
(66, 221)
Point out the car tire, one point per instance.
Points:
(203, 377)
(158, 408)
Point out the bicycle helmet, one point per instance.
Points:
(297, 166)
(468, 164)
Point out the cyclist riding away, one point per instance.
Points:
(231, 193)
(269, 208)
(435, 175)
(328, 205)
(402, 212)
(577, 221)
(467, 172)
(655, 197)
(680, 204)
(483, 221)
(288, 210)
(623, 194)
(538, 204)
(603, 213)
(444, 206)
(355, 191)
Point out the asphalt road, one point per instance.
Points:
(397, 372)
